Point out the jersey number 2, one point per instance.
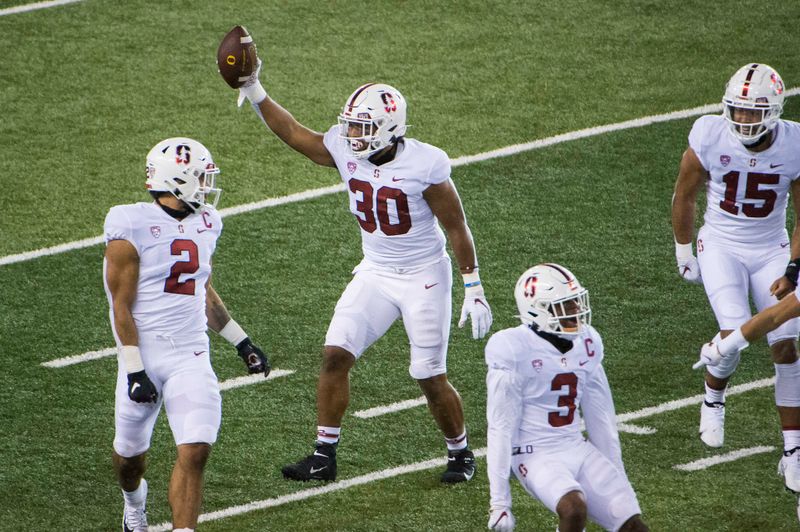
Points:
(364, 206)
(570, 380)
(173, 285)
(751, 191)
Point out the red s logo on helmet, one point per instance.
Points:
(388, 101)
(530, 286)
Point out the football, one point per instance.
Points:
(236, 57)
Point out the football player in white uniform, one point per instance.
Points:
(157, 276)
(540, 374)
(399, 188)
(748, 161)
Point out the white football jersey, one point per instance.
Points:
(174, 266)
(397, 226)
(747, 192)
(533, 395)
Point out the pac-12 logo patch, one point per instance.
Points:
(155, 230)
(537, 364)
(725, 160)
(351, 167)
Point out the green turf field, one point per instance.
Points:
(88, 88)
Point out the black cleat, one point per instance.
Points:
(461, 466)
(318, 466)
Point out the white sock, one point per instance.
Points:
(714, 396)
(791, 439)
(329, 435)
(136, 498)
(183, 530)
(458, 443)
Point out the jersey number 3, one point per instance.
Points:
(570, 380)
(173, 285)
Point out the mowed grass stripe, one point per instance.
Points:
(459, 161)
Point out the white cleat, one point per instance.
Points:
(789, 469)
(135, 519)
(712, 424)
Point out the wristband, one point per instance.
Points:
(131, 358)
(683, 251)
(471, 279)
(732, 343)
(255, 92)
(233, 333)
(792, 270)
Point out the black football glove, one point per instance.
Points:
(141, 389)
(254, 357)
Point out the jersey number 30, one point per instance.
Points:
(364, 206)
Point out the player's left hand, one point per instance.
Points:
(709, 356)
(501, 519)
(477, 308)
(252, 87)
(253, 357)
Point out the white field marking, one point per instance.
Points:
(319, 490)
(428, 464)
(34, 6)
(694, 400)
(247, 380)
(635, 429)
(705, 463)
(76, 359)
(459, 161)
(394, 407)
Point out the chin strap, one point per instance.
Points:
(177, 214)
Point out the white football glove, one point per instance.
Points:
(709, 356)
(501, 519)
(688, 268)
(475, 306)
(252, 89)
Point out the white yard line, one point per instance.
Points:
(705, 463)
(77, 359)
(34, 6)
(635, 429)
(459, 161)
(394, 407)
(436, 462)
(238, 382)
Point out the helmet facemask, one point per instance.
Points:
(566, 317)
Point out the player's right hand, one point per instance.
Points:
(689, 269)
(141, 389)
(709, 356)
(501, 519)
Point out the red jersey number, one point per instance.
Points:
(570, 380)
(173, 285)
(384, 196)
(751, 191)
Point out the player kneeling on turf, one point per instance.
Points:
(539, 374)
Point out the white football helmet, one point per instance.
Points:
(184, 168)
(373, 117)
(549, 296)
(757, 89)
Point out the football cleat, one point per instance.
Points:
(460, 466)
(712, 423)
(789, 468)
(321, 465)
(135, 519)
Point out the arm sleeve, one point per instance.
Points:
(118, 226)
(597, 407)
(503, 415)
(440, 169)
(334, 144)
(696, 136)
